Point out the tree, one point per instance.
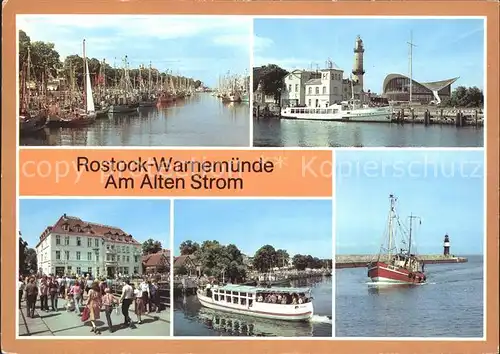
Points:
(462, 96)
(23, 245)
(221, 261)
(265, 258)
(272, 78)
(299, 262)
(151, 246)
(197, 84)
(188, 247)
(282, 258)
(182, 270)
(31, 261)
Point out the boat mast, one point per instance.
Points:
(391, 234)
(410, 235)
(411, 45)
(84, 76)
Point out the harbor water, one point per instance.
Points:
(191, 319)
(450, 304)
(200, 120)
(274, 132)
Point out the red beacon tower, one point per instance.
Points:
(446, 246)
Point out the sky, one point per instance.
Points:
(444, 48)
(444, 188)
(200, 47)
(143, 219)
(298, 226)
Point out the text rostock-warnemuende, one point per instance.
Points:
(153, 170)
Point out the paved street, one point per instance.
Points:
(63, 323)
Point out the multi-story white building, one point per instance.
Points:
(73, 246)
(327, 89)
(295, 87)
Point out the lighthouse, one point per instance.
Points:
(446, 246)
(357, 69)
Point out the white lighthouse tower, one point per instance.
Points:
(446, 246)
(357, 69)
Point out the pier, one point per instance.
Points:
(360, 261)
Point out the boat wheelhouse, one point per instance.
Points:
(288, 304)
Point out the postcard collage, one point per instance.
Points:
(365, 135)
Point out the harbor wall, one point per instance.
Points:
(358, 261)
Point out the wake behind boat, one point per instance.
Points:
(287, 304)
(395, 267)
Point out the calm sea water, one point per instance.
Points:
(191, 319)
(449, 305)
(300, 133)
(201, 120)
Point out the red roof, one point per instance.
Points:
(74, 226)
(156, 259)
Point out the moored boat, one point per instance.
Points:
(287, 304)
(393, 266)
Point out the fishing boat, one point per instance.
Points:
(77, 117)
(391, 265)
(287, 304)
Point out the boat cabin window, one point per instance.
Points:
(283, 298)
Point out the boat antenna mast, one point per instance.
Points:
(410, 64)
(412, 217)
(392, 215)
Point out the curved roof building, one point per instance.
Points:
(396, 87)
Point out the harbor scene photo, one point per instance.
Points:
(410, 261)
(125, 80)
(94, 268)
(369, 82)
(254, 268)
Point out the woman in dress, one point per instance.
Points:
(94, 303)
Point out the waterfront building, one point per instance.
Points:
(327, 89)
(189, 263)
(74, 246)
(157, 262)
(260, 98)
(294, 93)
(396, 87)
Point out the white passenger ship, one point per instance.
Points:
(288, 304)
(345, 112)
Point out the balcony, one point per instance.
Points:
(111, 263)
(110, 251)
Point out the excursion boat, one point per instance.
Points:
(391, 265)
(287, 304)
(347, 111)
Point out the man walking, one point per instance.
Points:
(126, 300)
(31, 295)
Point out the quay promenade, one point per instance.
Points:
(63, 323)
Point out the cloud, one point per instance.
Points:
(261, 43)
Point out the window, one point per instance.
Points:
(78, 241)
(97, 257)
(123, 249)
(118, 258)
(317, 90)
(66, 253)
(310, 90)
(89, 242)
(97, 270)
(96, 242)
(296, 87)
(89, 270)
(69, 269)
(78, 255)
(58, 239)
(324, 90)
(89, 256)
(309, 103)
(136, 258)
(66, 240)
(290, 87)
(136, 270)
(128, 250)
(125, 270)
(58, 255)
(78, 270)
(128, 258)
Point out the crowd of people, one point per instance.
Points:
(87, 297)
